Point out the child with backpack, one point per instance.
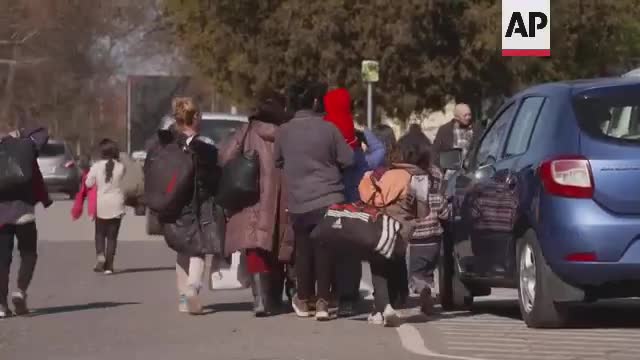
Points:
(181, 174)
(405, 189)
(425, 242)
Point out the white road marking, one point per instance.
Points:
(412, 341)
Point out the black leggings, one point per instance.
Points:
(313, 258)
(107, 231)
(382, 274)
(27, 238)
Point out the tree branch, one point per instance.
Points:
(23, 62)
(21, 41)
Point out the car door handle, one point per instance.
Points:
(511, 181)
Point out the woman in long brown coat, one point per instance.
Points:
(262, 230)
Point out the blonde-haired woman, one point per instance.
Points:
(197, 229)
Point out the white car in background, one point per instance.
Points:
(215, 126)
(635, 72)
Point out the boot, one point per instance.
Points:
(276, 290)
(260, 289)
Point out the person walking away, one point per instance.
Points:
(385, 134)
(348, 272)
(400, 192)
(18, 221)
(260, 230)
(192, 223)
(313, 154)
(106, 175)
(399, 278)
(415, 135)
(426, 240)
(460, 133)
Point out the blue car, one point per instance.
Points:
(548, 201)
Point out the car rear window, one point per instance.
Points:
(613, 115)
(52, 150)
(219, 130)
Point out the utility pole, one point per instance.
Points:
(370, 75)
(370, 105)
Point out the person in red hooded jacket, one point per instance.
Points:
(348, 271)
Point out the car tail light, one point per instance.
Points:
(582, 257)
(70, 164)
(568, 176)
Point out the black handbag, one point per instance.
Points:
(200, 231)
(239, 185)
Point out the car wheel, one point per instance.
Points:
(537, 306)
(153, 225)
(454, 295)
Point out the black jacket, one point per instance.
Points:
(444, 140)
(19, 203)
(199, 230)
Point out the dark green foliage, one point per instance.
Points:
(428, 49)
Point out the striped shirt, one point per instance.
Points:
(428, 224)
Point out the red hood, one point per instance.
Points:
(337, 103)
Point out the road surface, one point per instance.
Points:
(133, 315)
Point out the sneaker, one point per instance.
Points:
(333, 306)
(5, 312)
(322, 310)
(301, 307)
(427, 303)
(391, 317)
(194, 307)
(182, 304)
(108, 272)
(99, 266)
(375, 319)
(19, 300)
(347, 309)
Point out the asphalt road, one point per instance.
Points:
(133, 315)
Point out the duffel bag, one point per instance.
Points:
(359, 228)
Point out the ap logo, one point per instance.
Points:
(526, 28)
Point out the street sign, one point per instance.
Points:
(370, 71)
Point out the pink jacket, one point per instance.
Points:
(84, 193)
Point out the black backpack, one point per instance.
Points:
(239, 185)
(169, 172)
(17, 157)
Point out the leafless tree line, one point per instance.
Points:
(59, 60)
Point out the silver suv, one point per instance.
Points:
(59, 168)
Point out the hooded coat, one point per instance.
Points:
(263, 225)
(183, 234)
(337, 104)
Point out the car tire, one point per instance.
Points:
(453, 295)
(153, 225)
(537, 306)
